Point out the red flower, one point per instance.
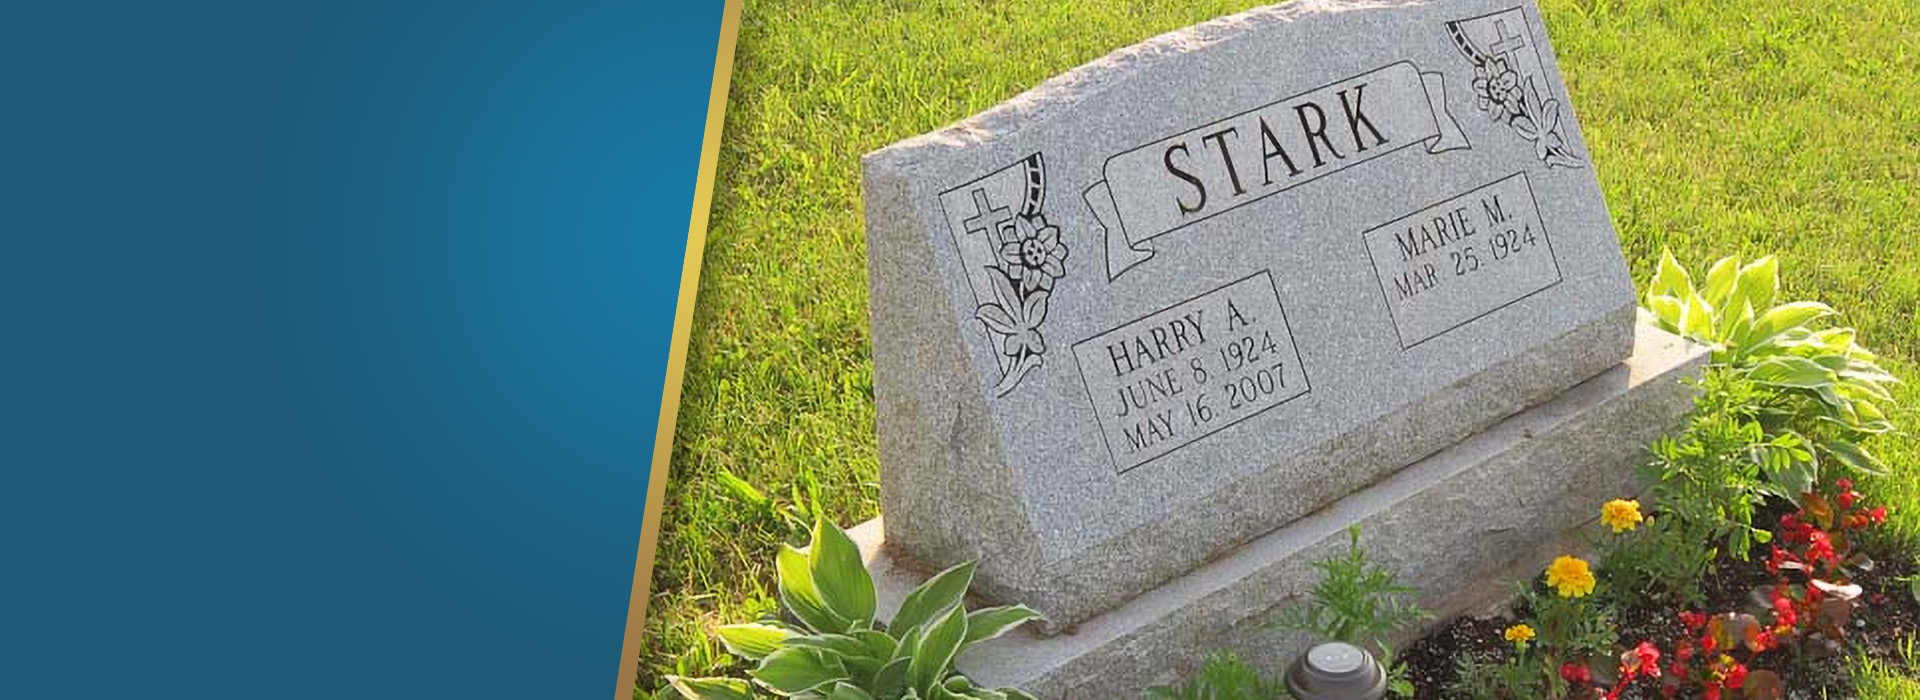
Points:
(1844, 483)
(1847, 499)
(1792, 530)
(1644, 658)
(1780, 557)
(1576, 673)
(1878, 514)
(1712, 692)
(1693, 620)
(1821, 548)
(1683, 651)
(1783, 614)
(1649, 658)
(1737, 676)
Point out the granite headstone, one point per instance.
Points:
(1195, 290)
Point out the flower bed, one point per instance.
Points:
(1758, 574)
(1883, 630)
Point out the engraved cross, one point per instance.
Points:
(987, 218)
(1505, 42)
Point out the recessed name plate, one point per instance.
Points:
(1453, 262)
(1161, 382)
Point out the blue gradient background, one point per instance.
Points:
(334, 340)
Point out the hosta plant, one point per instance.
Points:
(833, 648)
(1831, 390)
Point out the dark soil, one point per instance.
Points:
(1887, 619)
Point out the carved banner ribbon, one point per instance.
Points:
(1160, 187)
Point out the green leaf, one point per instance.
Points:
(1793, 479)
(989, 623)
(837, 644)
(1720, 282)
(1670, 279)
(1792, 371)
(1666, 310)
(798, 669)
(847, 691)
(940, 692)
(752, 640)
(1759, 282)
(932, 598)
(840, 575)
(934, 653)
(1783, 318)
(711, 688)
(909, 643)
(880, 645)
(742, 490)
(798, 594)
(1696, 319)
(891, 680)
(1855, 457)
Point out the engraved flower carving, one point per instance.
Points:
(1015, 318)
(1511, 99)
(1034, 255)
(1497, 84)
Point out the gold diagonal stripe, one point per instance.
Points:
(677, 352)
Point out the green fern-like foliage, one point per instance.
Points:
(1224, 677)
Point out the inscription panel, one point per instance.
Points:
(1168, 379)
(1463, 258)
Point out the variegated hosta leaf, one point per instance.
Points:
(847, 691)
(989, 623)
(794, 670)
(799, 595)
(933, 654)
(1720, 282)
(841, 575)
(711, 688)
(753, 640)
(933, 598)
(1670, 279)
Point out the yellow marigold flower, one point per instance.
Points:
(1519, 634)
(1570, 576)
(1621, 515)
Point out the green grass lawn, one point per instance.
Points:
(1733, 127)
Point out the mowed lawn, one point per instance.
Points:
(1732, 127)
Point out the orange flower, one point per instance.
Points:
(1621, 515)
(1570, 576)
(1519, 634)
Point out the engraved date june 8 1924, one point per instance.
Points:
(1175, 376)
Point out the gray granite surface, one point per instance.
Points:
(1460, 526)
(1193, 291)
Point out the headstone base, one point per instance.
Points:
(1458, 525)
